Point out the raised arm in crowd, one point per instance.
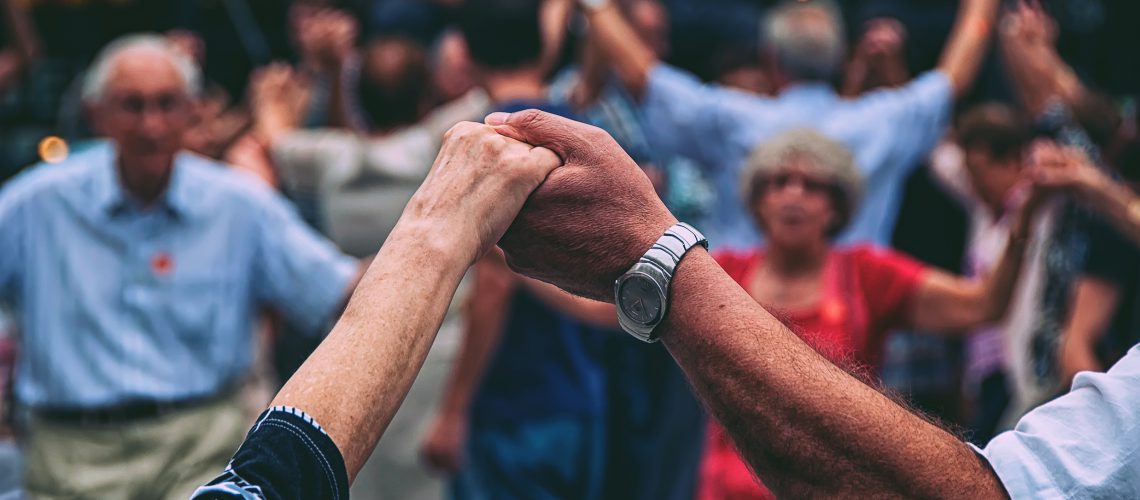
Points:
(633, 60)
(811, 428)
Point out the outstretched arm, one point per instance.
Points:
(483, 323)
(806, 426)
(1037, 72)
(23, 47)
(789, 410)
(1078, 177)
(358, 377)
(631, 57)
(1094, 302)
(969, 38)
(950, 303)
(354, 382)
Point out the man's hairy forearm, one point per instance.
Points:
(359, 375)
(806, 426)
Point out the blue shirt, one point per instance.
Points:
(546, 365)
(119, 302)
(686, 193)
(889, 131)
(1085, 444)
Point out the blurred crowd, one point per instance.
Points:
(937, 195)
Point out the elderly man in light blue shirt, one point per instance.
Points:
(889, 131)
(138, 272)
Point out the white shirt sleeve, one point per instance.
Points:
(1085, 444)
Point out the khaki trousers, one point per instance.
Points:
(161, 458)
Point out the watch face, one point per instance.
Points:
(640, 299)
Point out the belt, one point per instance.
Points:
(132, 411)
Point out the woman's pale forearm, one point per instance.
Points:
(360, 374)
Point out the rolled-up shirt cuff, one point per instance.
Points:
(1020, 472)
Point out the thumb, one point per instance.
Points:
(563, 136)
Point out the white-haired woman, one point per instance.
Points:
(802, 189)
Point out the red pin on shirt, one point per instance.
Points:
(162, 263)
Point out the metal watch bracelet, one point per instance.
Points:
(642, 293)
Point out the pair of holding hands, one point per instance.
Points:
(1054, 169)
(567, 205)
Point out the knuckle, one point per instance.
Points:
(596, 135)
(489, 145)
(515, 150)
(487, 138)
(528, 118)
(459, 130)
(451, 132)
(517, 162)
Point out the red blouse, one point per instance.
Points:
(867, 292)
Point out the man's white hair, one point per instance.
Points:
(98, 75)
(806, 48)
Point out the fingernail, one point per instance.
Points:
(496, 118)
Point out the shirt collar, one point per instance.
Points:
(112, 199)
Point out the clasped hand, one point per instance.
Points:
(564, 201)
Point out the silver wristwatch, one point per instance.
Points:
(642, 293)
